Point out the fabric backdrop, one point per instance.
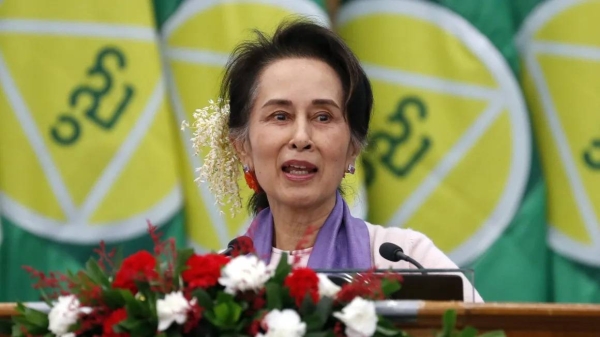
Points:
(485, 134)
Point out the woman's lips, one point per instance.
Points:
(299, 170)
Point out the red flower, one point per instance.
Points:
(194, 316)
(367, 286)
(259, 301)
(256, 326)
(204, 270)
(303, 281)
(113, 319)
(140, 266)
(338, 330)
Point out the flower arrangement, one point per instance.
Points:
(179, 293)
(220, 168)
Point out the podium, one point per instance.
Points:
(419, 284)
(426, 294)
(421, 318)
(515, 319)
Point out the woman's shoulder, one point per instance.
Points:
(418, 246)
(414, 244)
(408, 239)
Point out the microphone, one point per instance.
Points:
(394, 253)
(241, 245)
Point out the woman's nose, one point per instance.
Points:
(301, 139)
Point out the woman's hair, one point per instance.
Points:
(294, 39)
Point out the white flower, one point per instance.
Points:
(283, 324)
(360, 318)
(63, 314)
(173, 308)
(220, 165)
(245, 272)
(326, 287)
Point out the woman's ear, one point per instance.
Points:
(242, 149)
(353, 152)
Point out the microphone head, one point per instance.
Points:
(389, 251)
(241, 245)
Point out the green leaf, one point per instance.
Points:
(224, 297)
(31, 318)
(210, 316)
(449, 322)
(226, 315)
(282, 271)
(128, 324)
(32, 329)
(323, 310)
(127, 295)
(388, 287)
(203, 299)
(137, 308)
(320, 314)
(241, 325)
(313, 323)
(182, 257)
(16, 331)
(235, 312)
(495, 333)
(144, 330)
(324, 307)
(45, 297)
(387, 328)
(151, 299)
(114, 298)
(73, 277)
(307, 306)
(320, 334)
(221, 311)
(136, 327)
(231, 334)
(273, 291)
(172, 333)
(468, 332)
(96, 273)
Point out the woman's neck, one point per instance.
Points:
(296, 228)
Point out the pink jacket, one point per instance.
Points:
(419, 247)
(415, 244)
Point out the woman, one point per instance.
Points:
(299, 111)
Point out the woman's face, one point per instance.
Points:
(299, 141)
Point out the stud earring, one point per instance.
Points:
(251, 180)
(351, 169)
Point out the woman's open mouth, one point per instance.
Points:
(299, 170)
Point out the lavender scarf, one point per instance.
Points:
(342, 242)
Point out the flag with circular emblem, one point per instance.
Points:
(560, 48)
(198, 38)
(88, 145)
(450, 150)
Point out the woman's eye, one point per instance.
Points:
(280, 116)
(323, 118)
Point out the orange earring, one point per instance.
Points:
(251, 179)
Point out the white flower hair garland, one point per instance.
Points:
(220, 166)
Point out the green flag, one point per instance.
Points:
(560, 51)
(519, 256)
(87, 139)
(451, 152)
